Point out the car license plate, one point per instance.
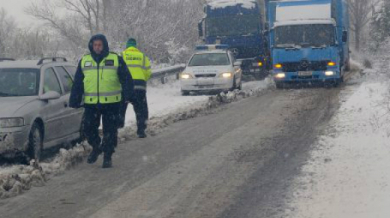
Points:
(305, 73)
(205, 81)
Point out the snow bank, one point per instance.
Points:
(18, 178)
(348, 174)
(249, 4)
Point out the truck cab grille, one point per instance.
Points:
(305, 65)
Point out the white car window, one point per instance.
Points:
(51, 82)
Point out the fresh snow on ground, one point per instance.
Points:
(348, 174)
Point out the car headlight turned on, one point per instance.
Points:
(226, 75)
(329, 73)
(185, 76)
(280, 75)
(11, 122)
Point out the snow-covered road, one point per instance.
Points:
(348, 174)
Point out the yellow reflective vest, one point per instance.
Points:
(139, 67)
(101, 82)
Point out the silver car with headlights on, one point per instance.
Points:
(211, 68)
(34, 111)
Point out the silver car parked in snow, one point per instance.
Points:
(34, 111)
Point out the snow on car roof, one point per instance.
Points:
(249, 4)
(303, 12)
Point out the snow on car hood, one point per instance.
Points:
(10, 105)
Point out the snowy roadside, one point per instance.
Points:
(348, 174)
(166, 106)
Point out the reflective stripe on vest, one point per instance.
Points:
(101, 84)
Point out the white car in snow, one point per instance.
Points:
(211, 68)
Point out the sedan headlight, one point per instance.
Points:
(11, 122)
(186, 76)
(226, 75)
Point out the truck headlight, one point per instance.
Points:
(227, 75)
(11, 122)
(280, 75)
(185, 76)
(329, 73)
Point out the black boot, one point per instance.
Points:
(107, 162)
(141, 134)
(93, 156)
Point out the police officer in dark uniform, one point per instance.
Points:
(103, 79)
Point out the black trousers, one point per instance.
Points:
(109, 114)
(141, 110)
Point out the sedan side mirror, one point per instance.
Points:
(51, 95)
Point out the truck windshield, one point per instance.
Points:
(19, 82)
(209, 59)
(312, 35)
(233, 25)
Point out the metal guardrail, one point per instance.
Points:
(164, 73)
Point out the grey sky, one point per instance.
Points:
(15, 8)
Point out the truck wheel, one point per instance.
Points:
(348, 66)
(35, 143)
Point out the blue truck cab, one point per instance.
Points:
(308, 40)
(241, 25)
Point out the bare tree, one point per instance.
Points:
(7, 29)
(360, 13)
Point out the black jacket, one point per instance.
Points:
(124, 75)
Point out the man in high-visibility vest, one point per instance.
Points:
(139, 67)
(102, 80)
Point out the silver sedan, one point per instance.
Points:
(34, 111)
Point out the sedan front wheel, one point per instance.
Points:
(35, 143)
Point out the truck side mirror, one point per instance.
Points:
(200, 28)
(345, 36)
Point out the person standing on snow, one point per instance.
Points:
(139, 67)
(103, 79)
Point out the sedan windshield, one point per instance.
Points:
(19, 82)
(210, 59)
(313, 35)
